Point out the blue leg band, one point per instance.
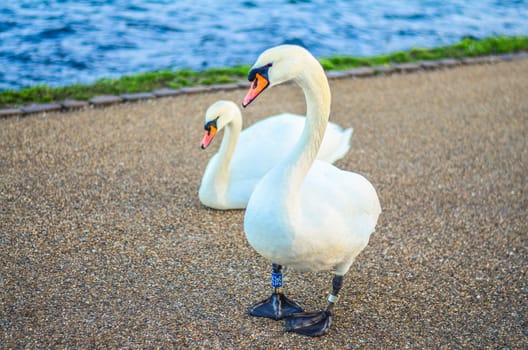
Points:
(276, 280)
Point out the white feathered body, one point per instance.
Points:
(322, 227)
(260, 147)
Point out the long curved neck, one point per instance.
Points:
(317, 94)
(221, 172)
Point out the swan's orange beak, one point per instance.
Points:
(208, 137)
(257, 86)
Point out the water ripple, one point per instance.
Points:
(60, 42)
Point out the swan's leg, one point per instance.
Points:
(315, 324)
(277, 306)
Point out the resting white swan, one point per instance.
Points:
(243, 158)
(305, 213)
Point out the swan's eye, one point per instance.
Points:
(263, 70)
(212, 124)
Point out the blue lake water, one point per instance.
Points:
(60, 42)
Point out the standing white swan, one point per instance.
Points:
(305, 213)
(243, 158)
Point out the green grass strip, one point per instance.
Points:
(144, 82)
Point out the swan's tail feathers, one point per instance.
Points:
(342, 143)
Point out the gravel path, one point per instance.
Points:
(103, 242)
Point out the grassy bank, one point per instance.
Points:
(144, 82)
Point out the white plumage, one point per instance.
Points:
(244, 157)
(305, 213)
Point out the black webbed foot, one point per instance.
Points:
(277, 307)
(313, 324)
